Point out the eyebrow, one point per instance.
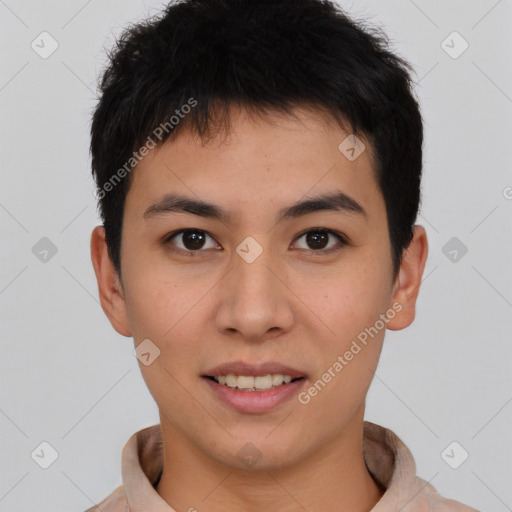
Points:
(333, 201)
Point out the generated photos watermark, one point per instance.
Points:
(304, 397)
(151, 143)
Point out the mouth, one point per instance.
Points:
(254, 388)
(250, 395)
(253, 377)
(251, 383)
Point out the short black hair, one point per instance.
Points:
(186, 66)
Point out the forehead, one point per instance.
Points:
(260, 163)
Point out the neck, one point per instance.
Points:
(333, 477)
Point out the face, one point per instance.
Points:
(251, 281)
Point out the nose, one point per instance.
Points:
(255, 299)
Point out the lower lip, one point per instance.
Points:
(255, 401)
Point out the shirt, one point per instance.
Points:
(388, 460)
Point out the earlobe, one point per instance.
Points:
(407, 285)
(109, 287)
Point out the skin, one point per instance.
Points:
(293, 304)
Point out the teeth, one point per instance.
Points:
(249, 383)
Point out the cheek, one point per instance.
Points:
(171, 316)
(347, 353)
(157, 309)
(160, 312)
(349, 305)
(146, 306)
(348, 300)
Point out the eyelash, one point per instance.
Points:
(342, 239)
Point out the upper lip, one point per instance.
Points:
(254, 369)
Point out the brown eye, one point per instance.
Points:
(318, 239)
(192, 240)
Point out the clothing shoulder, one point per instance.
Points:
(115, 502)
(438, 503)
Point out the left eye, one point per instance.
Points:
(193, 240)
(318, 237)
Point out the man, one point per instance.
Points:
(258, 169)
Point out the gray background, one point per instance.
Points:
(69, 379)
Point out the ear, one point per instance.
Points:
(109, 285)
(408, 281)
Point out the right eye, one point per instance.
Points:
(192, 240)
